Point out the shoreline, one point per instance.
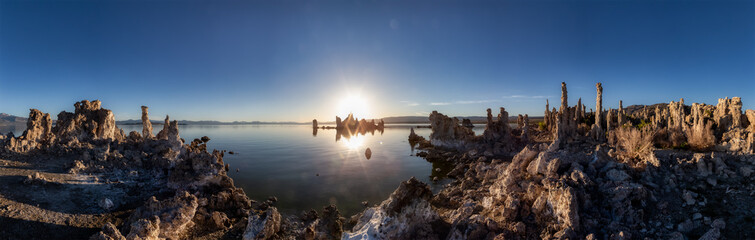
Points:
(672, 172)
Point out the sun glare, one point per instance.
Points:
(355, 104)
(353, 143)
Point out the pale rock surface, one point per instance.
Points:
(263, 225)
(146, 124)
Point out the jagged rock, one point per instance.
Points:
(174, 215)
(109, 232)
(598, 105)
(728, 113)
(447, 132)
(467, 123)
(329, 226)
(700, 135)
(263, 225)
(87, 123)
(750, 119)
(219, 220)
(170, 133)
(406, 214)
(548, 116)
(540, 164)
(146, 124)
(146, 228)
(676, 112)
(498, 136)
(37, 133)
(566, 123)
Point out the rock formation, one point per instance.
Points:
(146, 124)
(186, 188)
(88, 123)
(406, 214)
(447, 132)
(263, 226)
(352, 126)
(655, 177)
(170, 133)
(38, 132)
(467, 123)
(599, 105)
(640, 183)
(525, 128)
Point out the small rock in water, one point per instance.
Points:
(272, 199)
(435, 179)
(237, 170)
(106, 203)
(365, 203)
(368, 153)
(231, 152)
(437, 169)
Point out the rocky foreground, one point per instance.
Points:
(85, 178)
(669, 171)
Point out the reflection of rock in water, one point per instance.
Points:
(351, 126)
(314, 131)
(444, 168)
(347, 133)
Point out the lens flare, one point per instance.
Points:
(353, 143)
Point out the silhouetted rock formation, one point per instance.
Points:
(351, 126)
(467, 123)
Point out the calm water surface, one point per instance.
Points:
(285, 161)
(306, 171)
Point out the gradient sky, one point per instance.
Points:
(291, 60)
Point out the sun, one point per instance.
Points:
(354, 103)
(353, 143)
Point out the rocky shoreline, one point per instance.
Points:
(85, 178)
(671, 171)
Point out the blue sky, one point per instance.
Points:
(292, 60)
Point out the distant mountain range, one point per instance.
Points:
(424, 119)
(186, 122)
(7, 119)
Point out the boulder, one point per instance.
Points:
(262, 225)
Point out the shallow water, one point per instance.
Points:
(285, 161)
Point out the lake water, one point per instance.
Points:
(306, 171)
(309, 172)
